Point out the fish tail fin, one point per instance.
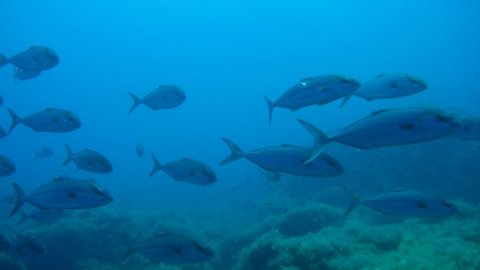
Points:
(3, 60)
(15, 120)
(346, 99)
(156, 165)
(69, 155)
(271, 106)
(20, 199)
(235, 152)
(353, 202)
(136, 102)
(129, 249)
(319, 138)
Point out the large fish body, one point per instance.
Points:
(390, 86)
(48, 120)
(164, 97)
(406, 204)
(287, 159)
(64, 193)
(173, 249)
(88, 160)
(22, 75)
(7, 167)
(388, 128)
(314, 91)
(186, 170)
(469, 129)
(35, 58)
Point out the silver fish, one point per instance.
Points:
(387, 128)
(45, 216)
(63, 193)
(48, 120)
(7, 167)
(469, 129)
(314, 91)
(44, 152)
(172, 248)
(4, 242)
(286, 159)
(88, 160)
(140, 150)
(390, 86)
(164, 97)
(186, 170)
(405, 204)
(25, 248)
(35, 58)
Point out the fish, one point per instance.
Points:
(35, 58)
(88, 160)
(25, 248)
(1, 100)
(172, 248)
(390, 127)
(44, 152)
(22, 75)
(140, 150)
(164, 97)
(48, 120)
(46, 216)
(405, 203)
(186, 170)
(469, 129)
(63, 193)
(4, 242)
(7, 167)
(387, 86)
(287, 159)
(3, 133)
(314, 91)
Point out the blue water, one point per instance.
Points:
(226, 55)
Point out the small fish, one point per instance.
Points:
(26, 248)
(36, 58)
(1, 100)
(63, 193)
(390, 86)
(172, 248)
(43, 152)
(286, 159)
(22, 75)
(140, 150)
(405, 204)
(4, 242)
(3, 133)
(164, 97)
(88, 160)
(469, 129)
(48, 120)
(186, 170)
(387, 128)
(314, 91)
(46, 216)
(7, 167)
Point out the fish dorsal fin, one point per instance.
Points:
(379, 111)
